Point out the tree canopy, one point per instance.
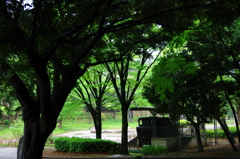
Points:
(47, 45)
(197, 78)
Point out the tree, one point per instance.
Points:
(218, 46)
(177, 89)
(127, 75)
(93, 88)
(46, 46)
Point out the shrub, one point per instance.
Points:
(6, 122)
(220, 133)
(62, 144)
(76, 144)
(184, 123)
(151, 150)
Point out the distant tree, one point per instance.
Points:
(93, 88)
(126, 75)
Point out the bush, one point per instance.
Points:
(220, 133)
(184, 123)
(76, 144)
(62, 144)
(211, 134)
(6, 122)
(151, 150)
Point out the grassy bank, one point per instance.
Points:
(87, 124)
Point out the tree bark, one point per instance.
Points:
(124, 140)
(223, 119)
(228, 134)
(198, 135)
(98, 125)
(196, 126)
(238, 113)
(60, 122)
(202, 126)
(33, 140)
(234, 114)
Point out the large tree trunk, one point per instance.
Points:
(234, 114)
(228, 134)
(198, 135)
(223, 119)
(197, 132)
(33, 140)
(124, 140)
(97, 119)
(238, 113)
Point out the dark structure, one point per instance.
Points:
(155, 127)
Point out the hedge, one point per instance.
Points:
(75, 144)
(152, 150)
(220, 133)
(184, 123)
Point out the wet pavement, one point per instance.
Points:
(8, 152)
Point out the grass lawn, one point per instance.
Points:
(86, 124)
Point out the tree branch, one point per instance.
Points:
(29, 106)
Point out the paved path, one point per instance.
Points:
(113, 135)
(8, 152)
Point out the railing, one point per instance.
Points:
(190, 132)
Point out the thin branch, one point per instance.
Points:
(148, 19)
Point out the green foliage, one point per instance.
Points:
(73, 107)
(6, 134)
(6, 122)
(62, 144)
(184, 123)
(13, 133)
(220, 133)
(103, 116)
(152, 150)
(17, 129)
(164, 71)
(76, 144)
